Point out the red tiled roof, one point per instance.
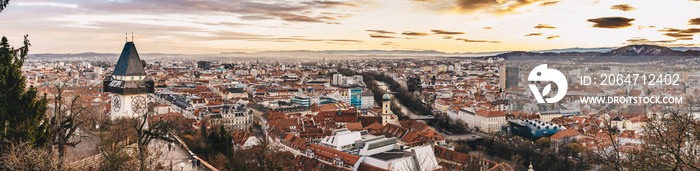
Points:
(282, 122)
(490, 113)
(239, 137)
(374, 126)
(331, 154)
(335, 106)
(471, 162)
(297, 142)
(414, 125)
(565, 134)
(369, 120)
(357, 126)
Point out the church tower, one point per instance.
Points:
(386, 109)
(128, 85)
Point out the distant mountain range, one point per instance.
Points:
(631, 53)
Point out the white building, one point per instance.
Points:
(342, 140)
(418, 158)
(483, 120)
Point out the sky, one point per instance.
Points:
(215, 26)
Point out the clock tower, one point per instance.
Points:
(128, 85)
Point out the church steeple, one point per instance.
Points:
(386, 109)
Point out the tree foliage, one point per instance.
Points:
(524, 151)
(670, 143)
(543, 142)
(24, 156)
(22, 114)
(3, 4)
(219, 151)
(65, 123)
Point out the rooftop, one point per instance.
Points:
(129, 62)
(390, 155)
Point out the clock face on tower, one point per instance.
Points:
(138, 104)
(116, 103)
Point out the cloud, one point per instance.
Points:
(552, 37)
(544, 26)
(447, 37)
(410, 33)
(486, 28)
(642, 27)
(232, 24)
(611, 22)
(685, 38)
(381, 31)
(681, 45)
(534, 34)
(680, 33)
(331, 3)
(390, 44)
(477, 41)
(256, 17)
(291, 11)
(446, 32)
(623, 7)
(381, 36)
(51, 4)
(548, 3)
(231, 35)
(301, 18)
(639, 40)
(694, 21)
(292, 39)
(493, 6)
(689, 30)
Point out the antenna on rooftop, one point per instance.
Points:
(132, 36)
(126, 37)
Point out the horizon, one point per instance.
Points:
(591, 49)
(451, 26)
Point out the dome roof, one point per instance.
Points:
(386, 97)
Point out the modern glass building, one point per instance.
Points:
(301, 101)
(326, 100)
(356, 97)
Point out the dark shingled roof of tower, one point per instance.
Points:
(129, 62)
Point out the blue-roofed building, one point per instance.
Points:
(534, 129)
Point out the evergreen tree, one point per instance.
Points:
(22, 114)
